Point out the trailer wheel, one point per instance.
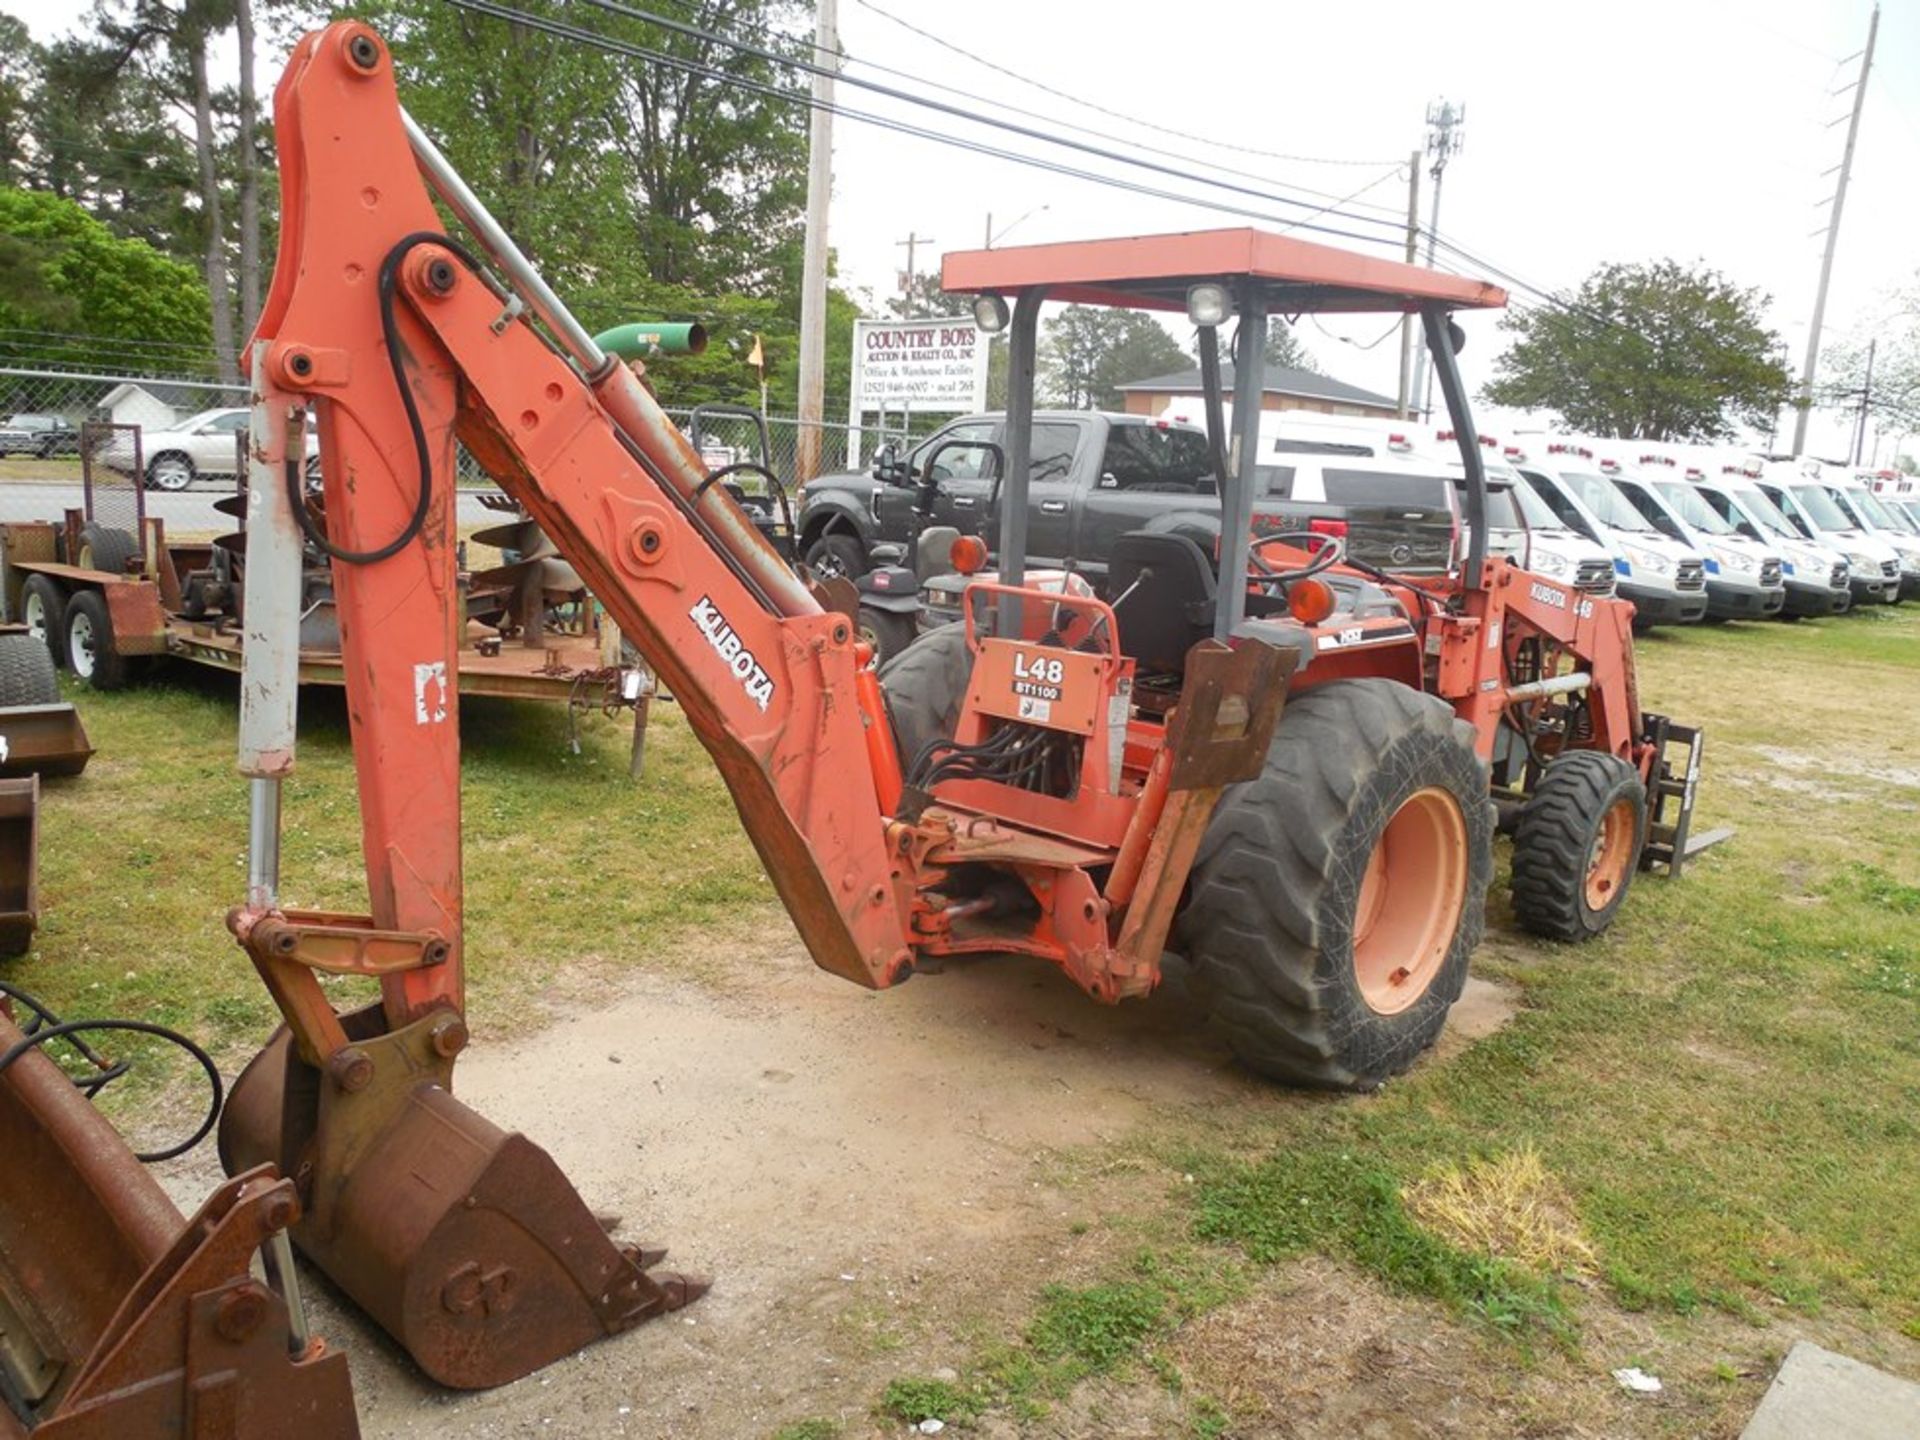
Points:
(1577, 845)
(1336, 899)
(103, 547)
(26, 672)
(90, 648)
(887, 631)
(43, 610)
(926, 687)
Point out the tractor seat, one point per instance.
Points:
(1171, 607)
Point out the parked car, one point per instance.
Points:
(1873, 566)
(1817, 576)
(39, 434)
(1745, 578)
(201, 446)
(1666, 581)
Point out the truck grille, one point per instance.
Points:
(1889, 569)
(1770, 576)
(1838, 580)
(1594, 576)
(1691, 575)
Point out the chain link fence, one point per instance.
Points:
(181, 435)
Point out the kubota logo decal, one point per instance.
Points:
(726, 644)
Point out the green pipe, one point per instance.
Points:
(644, 339)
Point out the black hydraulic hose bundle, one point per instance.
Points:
(44, 1026)
(390, 332)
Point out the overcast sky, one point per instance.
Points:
(1696, 129)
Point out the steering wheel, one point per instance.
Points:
(1328, 551)
(782, 534)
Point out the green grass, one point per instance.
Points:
(1727, 1084)
(569, 865)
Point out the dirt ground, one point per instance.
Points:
(865, 1176)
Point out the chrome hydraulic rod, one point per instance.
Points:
(624, 398)
(1553, 685)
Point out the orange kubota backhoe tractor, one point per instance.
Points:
(1093, 781)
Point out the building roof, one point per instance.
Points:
(1281, 380)
(1152, 272)
(181, 395)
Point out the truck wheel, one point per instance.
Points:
(90, 648)
(887, 631)
(26, 672)
(1577, 844)
(926, 686)
(1336, 899)
(43, 610)
(836, 556)
(103, 547)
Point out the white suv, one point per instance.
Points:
(201, 445)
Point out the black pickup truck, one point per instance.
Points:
(1096, 477)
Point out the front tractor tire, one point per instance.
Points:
(1577, 844)
(1336, 899)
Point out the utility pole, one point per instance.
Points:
(1803, 403)
(1866, 404)
(913, 242)
(1413, 253)
(813, 264)
(1446, 126)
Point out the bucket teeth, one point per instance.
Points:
(681, 1289)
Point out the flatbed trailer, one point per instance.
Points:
(151, 610)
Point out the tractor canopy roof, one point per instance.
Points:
(1153, 272)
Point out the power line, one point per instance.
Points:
(940, 107)
(975, 99)
(641, 52)
(1102, 109)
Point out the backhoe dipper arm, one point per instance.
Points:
(369, 295)
(466, 1242)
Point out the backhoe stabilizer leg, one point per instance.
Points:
(465, 1241)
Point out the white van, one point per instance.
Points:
(1817, 575)
(1852, 494)
(1873, 566)
(1745, 578)
(1520, 525)
(1666, 580)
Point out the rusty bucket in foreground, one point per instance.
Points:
(465, 1241)
(117, 1317)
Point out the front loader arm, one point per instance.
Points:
(766, 680)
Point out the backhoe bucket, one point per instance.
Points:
(42, 740)
(19, 863)
(117, 1317)
(466, 1242)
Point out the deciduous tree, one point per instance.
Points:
(1654, 352)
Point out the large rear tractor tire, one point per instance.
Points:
(926, 687)
(1577, 845)
(1336, 899)
(26, 672)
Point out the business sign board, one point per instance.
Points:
(926, 365)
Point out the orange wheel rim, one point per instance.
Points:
(1410, 900)
(1611, 854)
